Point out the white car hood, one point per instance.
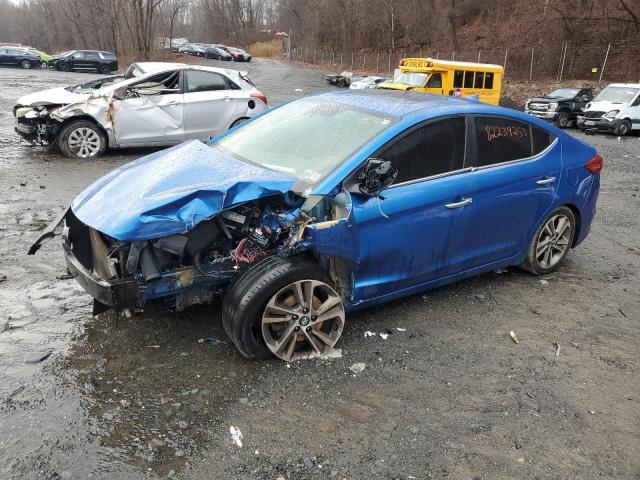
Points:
(52, 96)
(604, 106)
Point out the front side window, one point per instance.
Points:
(501, 140)
(435, 81)
(199, 81)
(430, 150)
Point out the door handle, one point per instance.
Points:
(172, 103)
(466, 201)
(227, 99)
(546, 181)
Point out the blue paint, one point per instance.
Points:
(171, 191)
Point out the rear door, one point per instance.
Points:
(151, 113)
(412, 234)
(210, 104)
(92, 60)
(4, 56)
(513, 187)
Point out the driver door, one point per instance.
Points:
(151, 112)
(415, 232)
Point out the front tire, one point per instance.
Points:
(81, 139)
(283, 307)
(63, 67)
(105, 70)
(563, 120)
(551, 242)
(623, 129)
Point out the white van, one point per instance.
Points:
(615, 109)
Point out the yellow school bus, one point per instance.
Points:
(449, 78)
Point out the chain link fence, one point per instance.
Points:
(565, 61)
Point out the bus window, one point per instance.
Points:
(457, 79)
(479, 80)
(488, 80)
(468, 79)
(435, 81)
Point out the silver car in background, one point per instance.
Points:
(160, 105)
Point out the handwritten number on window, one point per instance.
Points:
(497, 132)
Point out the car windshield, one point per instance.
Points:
(616, 94)
(307, 138)
(563, 93)
(413, 79)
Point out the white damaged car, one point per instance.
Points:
(615, 109)
(152, 104)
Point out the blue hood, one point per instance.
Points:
(171, 191)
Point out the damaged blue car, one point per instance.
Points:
(328, 204)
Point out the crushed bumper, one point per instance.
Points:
(119, 295)
(601, 124)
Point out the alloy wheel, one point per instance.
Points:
(553, 241)
(302, 320)
(84, 142)
(26, 64)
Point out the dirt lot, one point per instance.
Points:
(451, 397)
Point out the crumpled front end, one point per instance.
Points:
(192, 267)
(35, 124)
(181, 223)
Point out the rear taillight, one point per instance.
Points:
(594, 165)
(260, 96)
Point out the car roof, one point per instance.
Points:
(624, 85)
(159, 67)
(405, 104)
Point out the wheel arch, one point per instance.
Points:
(576, 213)
(88, 118)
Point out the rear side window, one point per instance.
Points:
(199, 81)
(108, 56)
(429, 150)
(457, 78)
(488, 80)
(91, 56)
(479, 80)
(502, 140)
(540, 139)
(468, 79)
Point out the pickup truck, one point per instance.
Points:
(561, 106)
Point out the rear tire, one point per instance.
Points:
(26, 64)
(81, 139)
(249, 294)
(551, 242)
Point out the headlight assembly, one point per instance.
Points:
(612, 114)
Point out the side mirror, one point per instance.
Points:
(585, 98)
(377, 175)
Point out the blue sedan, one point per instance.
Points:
(328, 204)
(19, 57)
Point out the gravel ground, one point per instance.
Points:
(448, 394)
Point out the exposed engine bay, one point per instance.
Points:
(191, 267)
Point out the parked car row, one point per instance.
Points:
(72, 60)
(215, 51)
(616, 109)
(355, 82)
